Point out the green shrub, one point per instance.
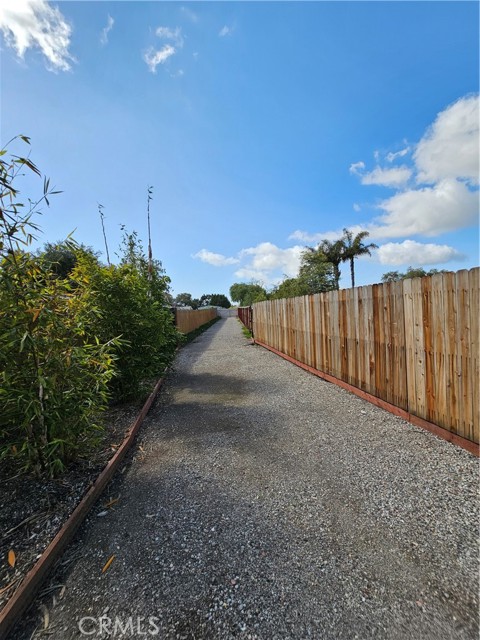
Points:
(130, 300)
(73, 333)
(53, 377)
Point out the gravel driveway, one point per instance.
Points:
(263, 502)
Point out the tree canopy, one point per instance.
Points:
(411, 272)
(246, 294)
(215, 300)
(353, 247)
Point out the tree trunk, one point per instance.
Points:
(336, 271)
(352, 271)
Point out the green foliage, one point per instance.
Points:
(61, 257)
(412, 272)
(353, 248)
(246, 294)
(316, 275)
(246, 331)
(53, 377)
(215, 300)
(131, 301)
(73, 333)
(186, 300)
(333, 253)
(289, 288)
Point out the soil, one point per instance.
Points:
(32, 511)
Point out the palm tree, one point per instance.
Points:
(353, 247)
(334, 253)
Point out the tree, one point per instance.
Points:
(316, 273)
(412, 272)
(353, 248)
(289, 288)
(186, 300)
(315, 276)
(215, 300)
(392, 276)
(246, 294)
(61, 257)
(334, 253)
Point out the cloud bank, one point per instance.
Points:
(437, 194)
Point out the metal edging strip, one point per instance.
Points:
(23, 597)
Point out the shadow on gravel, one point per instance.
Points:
(209, 384)
(197, 555)
(212, 560)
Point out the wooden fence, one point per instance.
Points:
(412, 343)
(187, 320)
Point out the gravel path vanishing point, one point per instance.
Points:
(263, 502)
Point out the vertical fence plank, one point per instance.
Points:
(187, 320)
(409, 330)
(439, 331)
(427, 317)
(399, 355)
(474, 287)
(463, 346)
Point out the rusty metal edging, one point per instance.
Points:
(471, 447)
(25, 594)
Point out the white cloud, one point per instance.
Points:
(264, 263)
(356, 168)
(410, 252)
(314, 238)
(225, 31)
(35, 24)
(215, 259)
(175, 35)
(445, 167)
(431, 211)
(356, 207)
(256, 275)
(395, 177)
(270, 262)
(450, 148)
(106, 30)
(398, 154)
(154, 58)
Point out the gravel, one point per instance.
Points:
(264, 503)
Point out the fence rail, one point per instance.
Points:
(187, 320)
(413, 343)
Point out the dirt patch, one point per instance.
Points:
(32, 511)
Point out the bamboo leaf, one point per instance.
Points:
(12, 558)
(108, 563)
(46, 616)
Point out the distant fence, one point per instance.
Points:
(412, 343)
(246, 316)
(187, 320)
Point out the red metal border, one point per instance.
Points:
(25, 594)
(471, 447)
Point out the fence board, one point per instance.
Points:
(187, 320)
(474, 286)
(413, 343)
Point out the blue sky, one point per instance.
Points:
(262, 126)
